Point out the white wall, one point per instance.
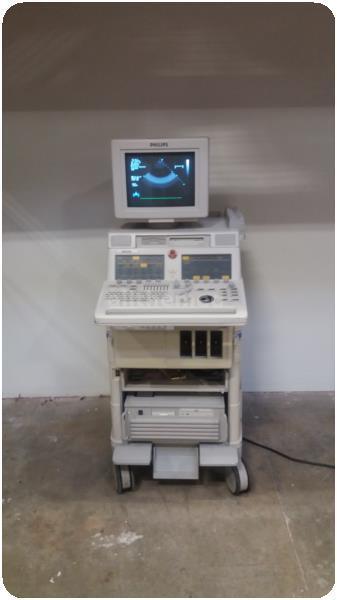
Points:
(275, 165)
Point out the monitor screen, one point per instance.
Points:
(140, 266)
(160, 179)
(206, 266)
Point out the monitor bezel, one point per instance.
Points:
(176, 213)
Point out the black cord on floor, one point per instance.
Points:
(298, 460)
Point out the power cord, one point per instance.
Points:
(298, 460)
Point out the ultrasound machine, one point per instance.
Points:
(173, 305)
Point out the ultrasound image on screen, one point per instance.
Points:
(156, 179)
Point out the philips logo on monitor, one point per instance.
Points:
(159, 144)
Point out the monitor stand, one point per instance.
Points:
(168, 224)
(173, 224)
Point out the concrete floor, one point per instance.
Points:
(67, 533)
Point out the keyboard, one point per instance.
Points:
(170, 296)
(129, 303)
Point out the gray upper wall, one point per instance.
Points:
(91, 56)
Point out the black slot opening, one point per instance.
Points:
(201, 343)
(216, 343)
(186, 343)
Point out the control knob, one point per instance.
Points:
(207, 298)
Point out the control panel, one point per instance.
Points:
(168, 296)
(166, 279)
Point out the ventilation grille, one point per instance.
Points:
(120, 241)
(173, 430)
(225, 239)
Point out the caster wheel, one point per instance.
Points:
(124, 478)
(237, 479)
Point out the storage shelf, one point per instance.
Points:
(174, 388)
(174, 380)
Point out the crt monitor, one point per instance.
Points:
(159, 180)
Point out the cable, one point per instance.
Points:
(298, 460)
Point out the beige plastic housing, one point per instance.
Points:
(158, 349)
